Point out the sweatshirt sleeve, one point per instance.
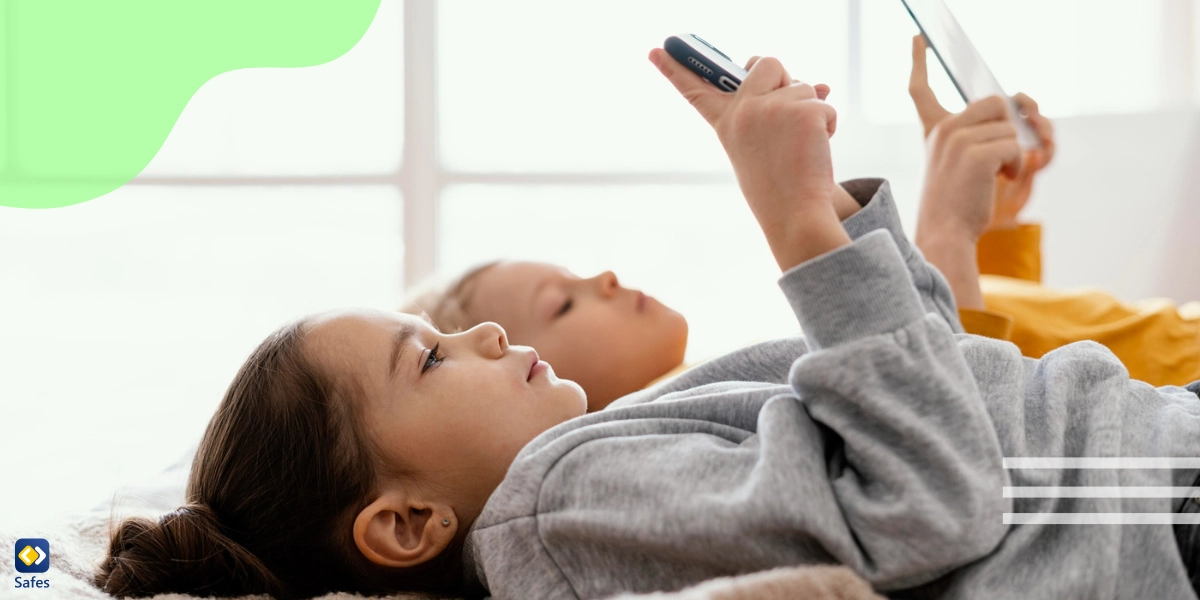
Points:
(879, 212)
(916, 465)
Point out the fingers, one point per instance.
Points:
(802, 92)
(987, 132)
(766, 75)
(830, 118)
(1045, 132)
(929, 109)
(982, 143)
(1027, 105)
(822, 89)
(708, 100)
(1041, 125)
(992, 108)
(1005, 151)
(799, 91)
(990, 144)
(1029, 109)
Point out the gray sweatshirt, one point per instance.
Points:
(875, 441)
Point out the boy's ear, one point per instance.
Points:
(397, 530)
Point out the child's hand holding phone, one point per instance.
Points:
(776, 133)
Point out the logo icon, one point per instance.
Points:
(32, 555)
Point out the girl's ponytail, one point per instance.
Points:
(186, 549)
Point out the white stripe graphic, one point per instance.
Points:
(1100, 491)
(1102, 518)
(1116, 462)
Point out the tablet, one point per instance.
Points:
(963, 63)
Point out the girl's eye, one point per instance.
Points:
(432, 359)
(565, 307)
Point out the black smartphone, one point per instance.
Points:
(705, 60)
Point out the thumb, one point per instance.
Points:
(929, 109)
(830, 114)
(1014, 163)
(707, 99)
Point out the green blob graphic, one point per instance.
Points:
(90, 90)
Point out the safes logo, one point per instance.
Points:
(33, 555)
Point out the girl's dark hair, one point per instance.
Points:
(276, 484)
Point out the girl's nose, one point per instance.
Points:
(490, 339)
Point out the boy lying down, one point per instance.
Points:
(366, 451)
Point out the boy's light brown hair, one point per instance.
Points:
(445, 302)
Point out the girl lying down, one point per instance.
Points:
(367, 451)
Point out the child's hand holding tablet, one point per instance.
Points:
(970, 75)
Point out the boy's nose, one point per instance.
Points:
(608, 283)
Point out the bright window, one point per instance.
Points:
(341, 118)
(126, 317)
(1074, 56)
(123, 319)
(540, 85)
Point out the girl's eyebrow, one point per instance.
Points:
(407, 330)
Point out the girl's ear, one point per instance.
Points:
(397, 530)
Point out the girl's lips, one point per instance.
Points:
(538, 368)
(641, 302)
(534, 359)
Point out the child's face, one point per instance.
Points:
(458, 419)
(610, 339)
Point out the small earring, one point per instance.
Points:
(445, 522)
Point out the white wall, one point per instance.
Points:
(1120, 204)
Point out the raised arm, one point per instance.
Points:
(976, 177)
(913, 459)
(879, 212)
(862, 206)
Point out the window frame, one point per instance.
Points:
(421, 177)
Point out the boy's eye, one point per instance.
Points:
(432, 359)
(565, 307)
